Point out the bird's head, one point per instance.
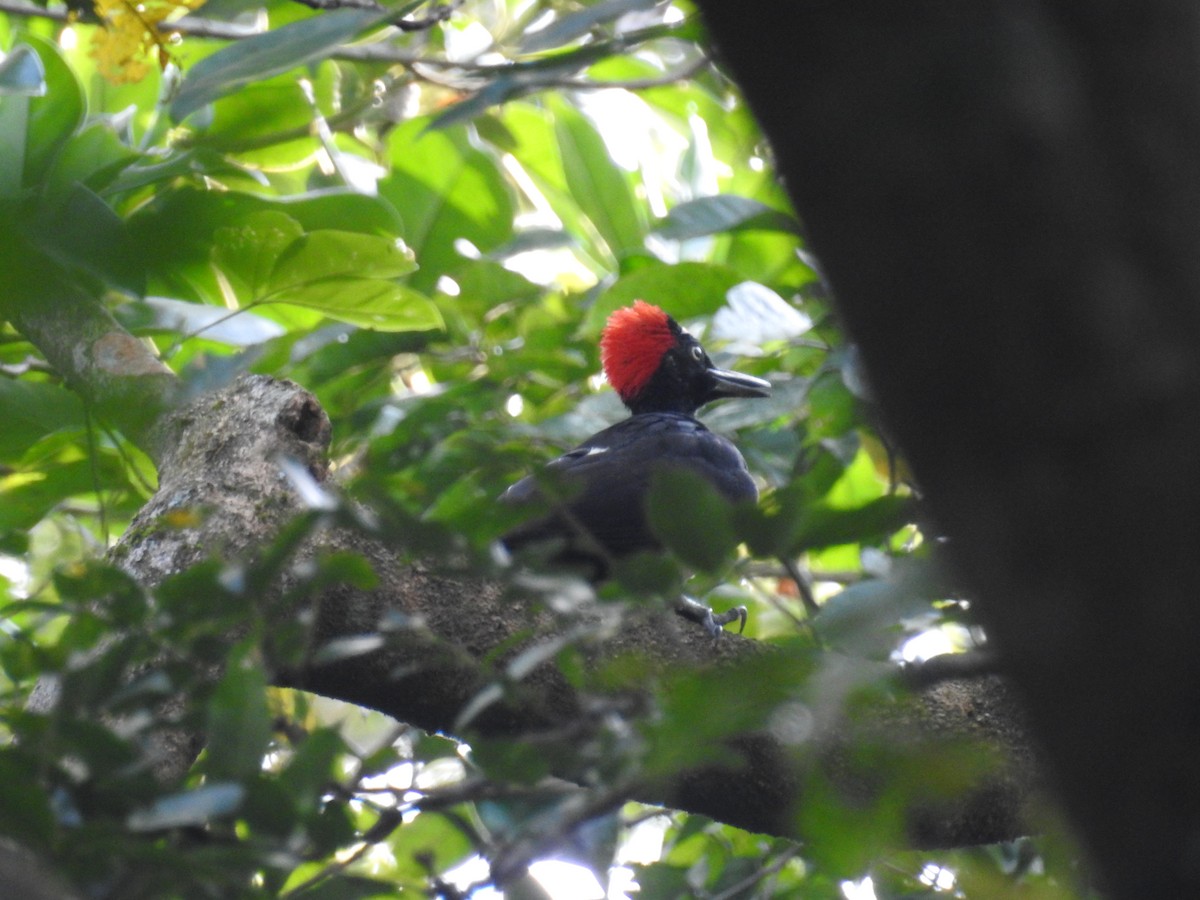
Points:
(656, 366)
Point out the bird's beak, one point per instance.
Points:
(735, 384)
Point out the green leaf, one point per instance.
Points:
(428, 842)
(691, 517)
(239, 724)
(84, 233)
(596, 183)
(25, 811)
(332, 254)
(213, 323)
(863, 619)
(312, 768)
(271, 53)
(353, 887)
(22, 73)
(496, 92)
(53, 116)
(32, 410)
(569, 27)
(343, 274)
(198, 807)
(723, 212)
(688, 734)
(647, 574)
(268, 807)
(825, 526)
(365, 302)
(512, 760)
(684, 290)
(271, 120)
(445, 190)
(109, 592)
(175, 231)
(249, 251)
(531, 130)
(14, 125)
(25, 497)
(93, 156)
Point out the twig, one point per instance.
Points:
(192, 26)
(806, 595)
(479, 73)
(324, 5)
(737, 889)
(439, 15)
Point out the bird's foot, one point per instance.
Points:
(712, 623)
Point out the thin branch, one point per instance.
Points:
(574, 84)
(440, 14)
(739, 888)
(802, 585)
(324, 5)
(126, 383)
(191, 26)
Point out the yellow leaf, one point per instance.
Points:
(131, 30)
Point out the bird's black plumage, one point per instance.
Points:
(606, 479)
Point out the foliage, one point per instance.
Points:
(427, 231)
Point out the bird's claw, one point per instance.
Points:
(712, 623)
(737, 614)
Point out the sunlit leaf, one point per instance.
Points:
(25, 497)
(723, 212)
(754, 315)
(22, 73)
(429, 839)
(271, 53)
(198, 807)
(569, 27)
(130, 33)
(365, 302)
(684, 290)
(249, 250)
(237, 328)
(597, 185)
(863, 619)
(446, 191)
(325, 254)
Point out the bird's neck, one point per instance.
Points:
(639, 406)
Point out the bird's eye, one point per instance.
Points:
(698, 353)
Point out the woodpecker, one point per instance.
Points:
(663, 376)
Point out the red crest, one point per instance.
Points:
(632, 346)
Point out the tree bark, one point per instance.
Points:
(1006, 199)
(221, 454)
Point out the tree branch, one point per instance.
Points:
(223, 458)
(112, 370)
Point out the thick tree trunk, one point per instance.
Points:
(1006, 197)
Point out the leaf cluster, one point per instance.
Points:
(427, 229)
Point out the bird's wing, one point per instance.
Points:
(606, 480)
